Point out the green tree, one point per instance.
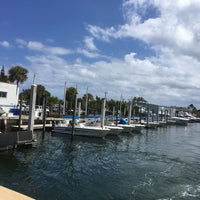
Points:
(192, 107)
(2, 75)
(25, 96)
(95, 106)
(110, 104)
(70, 98)
(90, 99)
(18, 74)
(41, 91)
(52, 100)
(140, 100)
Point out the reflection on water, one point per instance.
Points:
(160, 163)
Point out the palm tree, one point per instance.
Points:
(18, 74)
(70, 97)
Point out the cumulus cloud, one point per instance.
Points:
(170, 76)
(87, 53)
(171, 29)
(5, 44)
(21, 43)
(38, 46)
(89, 42)
(174, 24)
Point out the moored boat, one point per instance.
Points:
(177, 121)
(80, 130)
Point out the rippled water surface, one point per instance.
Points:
(162, 164)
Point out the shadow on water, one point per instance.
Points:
(8, 163)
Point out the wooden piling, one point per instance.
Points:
(103, 113)
(44, 113)
(32, 107)
(20, 114)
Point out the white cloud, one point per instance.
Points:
(21, 43)
(170, 77)
(175, 25)
(5, 44)
(86, 53)
(38, 46)
(161, 80)
(34, 45)
(89, 42)
(100, 33)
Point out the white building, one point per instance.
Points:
(9, 94)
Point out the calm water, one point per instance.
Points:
(162, 164)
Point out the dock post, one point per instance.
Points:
(158, 114)
(5, 124)
(129, 112)
(140, 114)
(20, 114)
(103, 112)
(44, 113)
(32, 107)
(79, 109)
(86, 103)
(148, 116)
(113, 113)
(166, 114)
(73, 125)
(73, 118)
(64, 99)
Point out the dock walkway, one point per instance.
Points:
(8, 194)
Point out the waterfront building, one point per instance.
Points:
(9, 95)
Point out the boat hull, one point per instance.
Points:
(82, 131)
(114, 130)
(177, 121)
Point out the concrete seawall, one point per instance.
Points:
(12, 140)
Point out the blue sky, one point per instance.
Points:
(126, 48)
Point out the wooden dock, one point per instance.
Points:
(12, 123)
(8, 194)
(35, 127)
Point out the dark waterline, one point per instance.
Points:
(162, 164)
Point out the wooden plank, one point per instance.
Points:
(8, 194)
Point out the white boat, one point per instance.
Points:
(96, 122)
(126, 127)
(1, 111)
(138, 127)
(151, 124)
(177, 121)
(161, 123)
(192, 118)
(115, 130)
(80, 130)
(130, 127)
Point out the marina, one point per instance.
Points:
(151, 155)
(158, 163)
(99, 100)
